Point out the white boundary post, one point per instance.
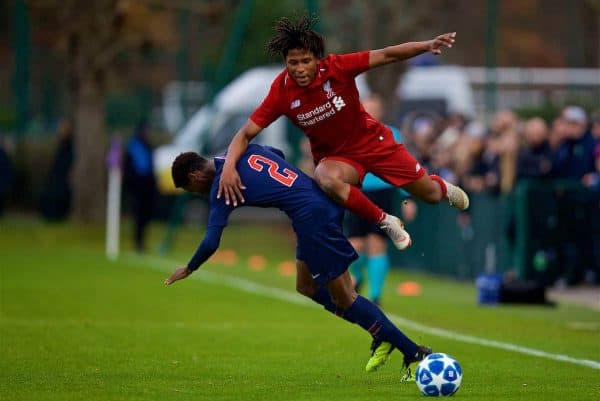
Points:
(113, 195)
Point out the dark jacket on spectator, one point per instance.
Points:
(575, 157)
(535, 162)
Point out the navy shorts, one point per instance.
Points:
(326, 252)
(356, 226)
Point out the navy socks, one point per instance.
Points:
(368, 316)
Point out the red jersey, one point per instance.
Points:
(328, 110)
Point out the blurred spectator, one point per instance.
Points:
(6, 176)
(140, 182)
(442, 158)
(55, 201)
(422, 134)
(463, 149)
(576, 212)
(504, 144)
(592, 180)
(480, 165)
(557, 133)
(596, 127)
(443, 153)
(455, 125)
(575, 154)
(535, 158)
(457, 121)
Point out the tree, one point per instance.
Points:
(354, 25)
(89, 35)
(93, 37)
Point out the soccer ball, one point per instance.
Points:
(438, 374)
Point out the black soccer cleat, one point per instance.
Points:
(422, 352)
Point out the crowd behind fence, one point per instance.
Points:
(535, 188)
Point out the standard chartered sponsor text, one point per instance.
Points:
(317, 114)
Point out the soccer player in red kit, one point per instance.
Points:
(319, 95)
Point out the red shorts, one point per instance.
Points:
(390, 162)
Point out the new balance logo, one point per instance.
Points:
(295, 104)
(338, 102)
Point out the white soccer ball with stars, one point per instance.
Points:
(438, 375)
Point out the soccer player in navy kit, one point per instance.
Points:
(323, 253)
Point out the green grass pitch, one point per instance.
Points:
(74, 326)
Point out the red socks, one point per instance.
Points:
(358, 203)
(442, 184)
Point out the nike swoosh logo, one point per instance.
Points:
(315, 275)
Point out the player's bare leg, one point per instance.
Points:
(342, 291)
(356, 267)
(305, 284)
(432, 189)
(335, 177)
(338, 180)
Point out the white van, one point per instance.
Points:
(444, 83)
(210, 130)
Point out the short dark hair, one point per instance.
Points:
(183, 165)
(296, 34)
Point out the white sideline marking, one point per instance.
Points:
(166, 265)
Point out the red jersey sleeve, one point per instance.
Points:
(269, 110)
(352, 64)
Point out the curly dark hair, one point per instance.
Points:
(183, 165)
(296, 34)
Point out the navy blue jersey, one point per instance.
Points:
(271, 181)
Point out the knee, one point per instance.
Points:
(328, 183)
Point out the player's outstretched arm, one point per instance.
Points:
(179, 274)
(407, 50)
(230, 184)
(206, 249)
